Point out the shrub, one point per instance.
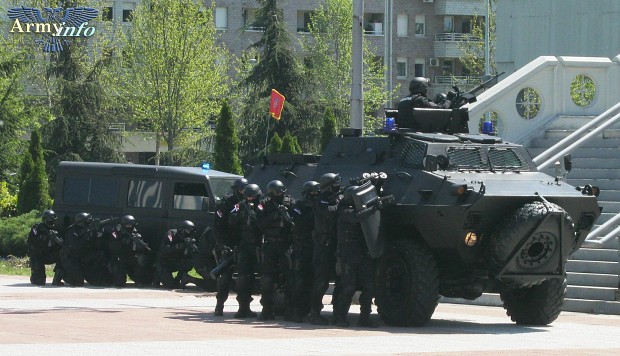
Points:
(14, 232)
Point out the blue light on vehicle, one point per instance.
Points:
(206, 166)
(487, 128)
(389, 125)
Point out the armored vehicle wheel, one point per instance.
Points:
(540, 248)
(407, 284)
(537, 305)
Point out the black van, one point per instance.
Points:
(159, 197)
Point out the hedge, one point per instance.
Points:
(14, 231)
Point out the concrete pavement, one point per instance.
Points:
(106, 321)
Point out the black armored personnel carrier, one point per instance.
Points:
(472, 214)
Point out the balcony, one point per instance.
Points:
(447, 45)
(460, 7)
(444, 83)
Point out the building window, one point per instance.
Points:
(127, 15)
(401, 25)
(448, 24)
(374, 23)
(221, 17)
(249, 20)
(466, 26)
(419, 67)
(420, 25)
(401, 68)
(447, 67)
(107, 14)
(303, 21)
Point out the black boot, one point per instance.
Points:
(57, 281)
(245, 312)
(266, 314)
(341, 321)
(219, 309)
(317, 319)
(365, 321)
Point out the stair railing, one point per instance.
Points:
(595, 238)
(561, 148)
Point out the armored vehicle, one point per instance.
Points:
(472, 214)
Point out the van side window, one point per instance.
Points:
(90, 191)
(144, 194)
(188, 196)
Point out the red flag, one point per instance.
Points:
(276, 104)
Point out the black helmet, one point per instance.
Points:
(418, 85)
(83, 219)
(440, 98)
(275, 188)
(187, 228)
(347, 197)
(239, 184)
(309, 187)
(128, 222)
(251, 190)
(329, 179)
(49, 217)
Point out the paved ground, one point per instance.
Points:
(106, 321)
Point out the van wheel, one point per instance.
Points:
(537, 305)
(407, 284)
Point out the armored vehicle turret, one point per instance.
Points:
(472, 214)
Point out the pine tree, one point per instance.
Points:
(227, 143)
(275, 145)
(289, 144)
(34, 188)
(329, 129)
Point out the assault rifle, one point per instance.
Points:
(226, 261)
(53, 234)
(285, 215)
(190, 245)
(136, 238)
(458, 98)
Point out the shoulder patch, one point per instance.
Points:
(220, 214)
(170, 236)
(114, 235)
(34, 231)
(236, 208)
(260, 207)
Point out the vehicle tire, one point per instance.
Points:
(407, 284)
(519, 225)
(536, 305)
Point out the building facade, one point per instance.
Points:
(414, 37)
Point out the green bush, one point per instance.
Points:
(14, 231)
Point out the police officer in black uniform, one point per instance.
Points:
(324, 256)
(300, 252)
(416, 99)
(129, 254)
(44, 246)
(83, 253)
(227, 238)
(175, 255)
(275, 221)
(357, 267)
(244, 218)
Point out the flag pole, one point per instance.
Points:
(267, 133)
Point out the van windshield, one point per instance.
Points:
(220, 186)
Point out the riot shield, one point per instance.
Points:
(365, 196)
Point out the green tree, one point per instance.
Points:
(8, 201)
(289, 144)
(227, 143)
(175, 71)
(329, 129)
(472, 52)
(275, 145)
(277, 67)
(330, 64)
(34, 189)
(13, 111)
